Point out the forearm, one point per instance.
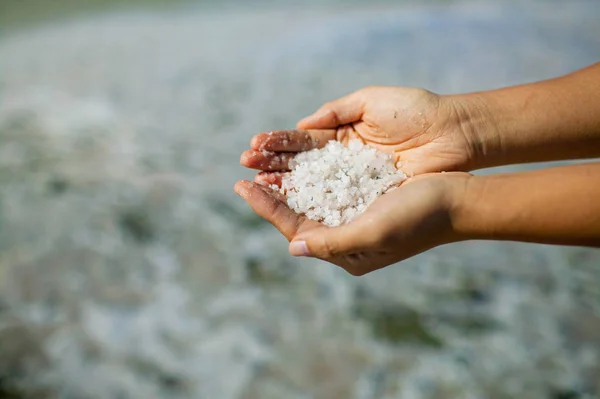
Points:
(544, 121)
(554, 206)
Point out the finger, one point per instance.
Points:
(267, 205)
(269, 178)
(328, 243)
(342, 111)
(265, 160)
(292, 140)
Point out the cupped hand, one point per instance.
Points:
(408, 220)
(424, 131)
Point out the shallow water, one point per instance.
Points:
(129, 268)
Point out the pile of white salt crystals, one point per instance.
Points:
(335, 184)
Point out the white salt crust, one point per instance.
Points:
(335, 184)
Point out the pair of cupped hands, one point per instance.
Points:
(426, 136)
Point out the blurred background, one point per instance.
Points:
(130, 269)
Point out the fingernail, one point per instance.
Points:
(299, 248)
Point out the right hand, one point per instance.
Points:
(404, 222)
(424, 132)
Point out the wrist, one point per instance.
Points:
(485, 209)
(456, 192)
(464, 202)
(478, 125)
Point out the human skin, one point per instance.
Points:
(427, 133)
(558, 205)
(551, 120)
(556, 119)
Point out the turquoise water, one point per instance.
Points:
(129, 268)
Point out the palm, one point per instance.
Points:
(400, 232)
(414, 126)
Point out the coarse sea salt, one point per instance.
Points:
(335, 184)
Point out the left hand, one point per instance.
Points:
(406, 221)
(422, 131)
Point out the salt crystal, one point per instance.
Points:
(335, 184)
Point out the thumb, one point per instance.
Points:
(328, 242)
(342, 111)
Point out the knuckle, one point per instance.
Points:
(342, 135)
(297, 225)
(372, 239)
(355, 271)
(329, 110)
(370, 89)
(328, 106)
(276, 209)
(327, 248)
(368, 237)
(285, 136)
